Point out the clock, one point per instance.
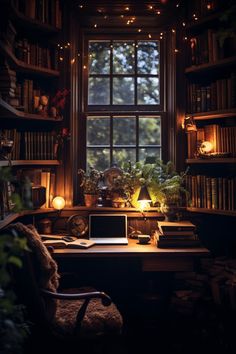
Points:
(77, 225)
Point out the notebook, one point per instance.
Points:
(108, 229)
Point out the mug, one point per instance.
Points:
(144, 239)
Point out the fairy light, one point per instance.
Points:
(173, 30)
(176, 50)
(149, 35)
(158, 12)
(126, 8)
(95, 25)
(81, 6)
(84, 67)
(72, 61)
(183, 24)
(139, 30)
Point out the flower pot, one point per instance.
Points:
(90, 200)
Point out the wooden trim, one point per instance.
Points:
(212, 160)
(26, 68)
(30, 163)
(207, 67)
(212, 211)
(227, 113)
(7, 111)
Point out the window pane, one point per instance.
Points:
(148, 90)
(120, 156)
(99, 91)
(98, 158)
(98, 131)
(99, 57)
(145, 153)
(148, 57)
(123, 57)
(123, 90)
(124, 131)
(149, 131)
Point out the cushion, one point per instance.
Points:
(97, 320)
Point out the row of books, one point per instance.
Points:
(205, 48)
(220, 94)
(31, 145)
(36, 54)
(7, 81)
(223, 139)
(212, 192)
(176, 234)
(40, 177)
(45, 11)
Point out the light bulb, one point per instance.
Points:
(58, 203)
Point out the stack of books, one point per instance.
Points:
(176, 234)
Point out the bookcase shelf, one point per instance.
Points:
(212, 211)
(212, 66)
(30, 163)
(224, 160)
(7, 111)
(210, 101)
(226, 113)
(22, 67)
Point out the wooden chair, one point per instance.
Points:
(82, 315)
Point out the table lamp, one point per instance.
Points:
(144, 199)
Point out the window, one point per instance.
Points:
(123, 91)
(123, 73)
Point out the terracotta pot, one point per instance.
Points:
(90, 200)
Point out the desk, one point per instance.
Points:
(152, 259)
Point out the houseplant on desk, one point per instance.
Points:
(167, 185)
(89, 184)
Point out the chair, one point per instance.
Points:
(82, 315)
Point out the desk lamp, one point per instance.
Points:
(144, 199)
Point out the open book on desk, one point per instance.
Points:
(60, 243)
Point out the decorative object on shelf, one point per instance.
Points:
(41, 105)
(61, 138)
(58, 203)
(90, 185)
(77, 225)
(189, 124)
(205, 147)
(6, 147)
(58, 103)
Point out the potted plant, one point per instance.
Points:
(90, 185)
(167, 186)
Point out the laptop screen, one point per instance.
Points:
(107, 225)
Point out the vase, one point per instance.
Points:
(90, 200)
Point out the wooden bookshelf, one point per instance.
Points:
(222, 160)
(212, 66)
(7, 111)
(212, 211)
(226, 113)
(22, 67)
(30, 163)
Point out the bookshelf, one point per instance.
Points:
(29, 80)
(211, 103)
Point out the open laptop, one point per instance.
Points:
(110, 229)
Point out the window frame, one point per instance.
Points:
(124, 108)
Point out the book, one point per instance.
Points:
(169, 228)
(61, 243)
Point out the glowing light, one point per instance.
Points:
(84, 67)
(72, 61)
(58, 203)
(206, 147)
(139, 30)
(158, 12)
(143, 205)
(61, 58)
(149, 36)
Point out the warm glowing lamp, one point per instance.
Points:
(144, 198)
(206, 147)
(58, 203)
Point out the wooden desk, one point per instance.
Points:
(153, 259)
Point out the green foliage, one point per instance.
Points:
(13, 328)
(90, 180)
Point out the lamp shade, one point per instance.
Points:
(144, 195)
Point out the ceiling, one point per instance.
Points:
(132, 14)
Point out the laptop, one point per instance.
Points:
(108, 229)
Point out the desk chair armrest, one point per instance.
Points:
(106, 300)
